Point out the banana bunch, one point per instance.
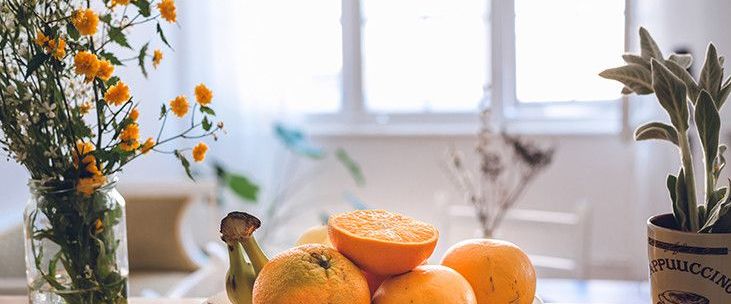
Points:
(237, 230)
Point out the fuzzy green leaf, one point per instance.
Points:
(692, 87)
(351, 165)
(35, 63)
(720, 161)
(680, 205)
(634, 59)
(708, 123)
(670, 91)
(683, 60)
(718, 216)
(648, 46)
(633, 76)
(712, 73)
(717, 196)
(116, 35)
(141, 58)
(723, 94)
(657, 130)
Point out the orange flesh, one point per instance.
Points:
(384, 226)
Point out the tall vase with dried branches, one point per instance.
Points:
(507, 166)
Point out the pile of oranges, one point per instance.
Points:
(379, 257)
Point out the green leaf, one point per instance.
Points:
(116, 35)
(185, 163)
(692, 87)
(351, 165)
(112, 81)
(708, 123)
(720, 161)
(711, 73)
(718, 216)
(717, 196)
(296, 141)
(141, 58)
(657, 130)
(206, 124)
(723, 94)
(670, 91)
(633, 76)
(634, 59)
(680, 207)
(35, 63)
(207, 110)
(162, 35)
(72, 31)
(648, 46)
(143, 6)
(107, 18)
(163, 111)
(683, 60)
(111, 57)
(242, 186)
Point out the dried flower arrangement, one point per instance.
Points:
(507, 165)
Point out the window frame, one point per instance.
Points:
(577, 117)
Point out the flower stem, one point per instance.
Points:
(687, 159)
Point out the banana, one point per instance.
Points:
(237, 230)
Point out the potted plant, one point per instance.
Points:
(688, 249)
(73, 125)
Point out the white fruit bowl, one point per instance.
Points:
(222, 299)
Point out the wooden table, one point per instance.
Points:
(24, 300)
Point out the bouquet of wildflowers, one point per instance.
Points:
(73, 123)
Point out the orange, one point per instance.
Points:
(498, 271)
(426, 284)
(310, 274)
(382, 242)
(374, 281)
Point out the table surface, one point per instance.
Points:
(552, 291)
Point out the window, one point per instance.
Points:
(376, 61)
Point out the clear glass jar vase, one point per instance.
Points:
(76, 244)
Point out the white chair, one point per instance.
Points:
(558, 243)
(168, 226)
(12, 257)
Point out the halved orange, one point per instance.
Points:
(382, 242)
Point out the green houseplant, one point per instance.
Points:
(688, 248)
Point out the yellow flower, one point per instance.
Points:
(106, 69)
(88, 161)
(86, 64)
(203, 95)
(130, 138)
(120, 2)
(148, 145)
(117, 94)
(134, 114)
(167, 10)
(199, 152)
(98, 226)
(41, 39)
(179, 106)
(85, 21)
(84, 108)
(82, 149)
(156, 58)
(60, 50)
(88, 185)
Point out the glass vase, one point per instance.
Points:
(76, 244)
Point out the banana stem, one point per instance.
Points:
(256, 255)
(687, 159)
(240, 277)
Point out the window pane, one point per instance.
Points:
(425, 55)
(292, 53)
(561, 46)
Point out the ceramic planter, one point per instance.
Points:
(685, 267)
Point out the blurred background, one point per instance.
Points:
(331, 105)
